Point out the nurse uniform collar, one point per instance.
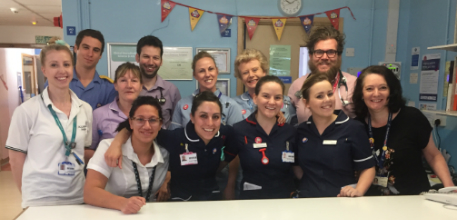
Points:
(195, 140)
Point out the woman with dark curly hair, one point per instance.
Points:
(399, 135)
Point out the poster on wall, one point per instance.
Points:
(119, 53)
(430, 69)
(415, 58)
(176, 61)
(280, 60)
(427, 106)
(221, 56)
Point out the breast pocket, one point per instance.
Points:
(338, 155)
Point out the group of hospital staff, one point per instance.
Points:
(332, 135)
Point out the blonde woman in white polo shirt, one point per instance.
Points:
(144, 171)
(47, 136)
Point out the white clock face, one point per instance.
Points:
(290, 7)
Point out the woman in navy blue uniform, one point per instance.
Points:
(264, 146)
(195, 150)
(330, 147)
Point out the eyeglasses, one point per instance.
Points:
(330, 53)
(141, 121)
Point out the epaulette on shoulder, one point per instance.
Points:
(106, 78)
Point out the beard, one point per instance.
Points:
(148, 76)
(330, 73)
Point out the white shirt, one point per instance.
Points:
(122, 182)
(34, 132)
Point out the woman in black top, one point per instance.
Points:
(399, 135)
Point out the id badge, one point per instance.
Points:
(380, 181)
(188, 158)
(66, 168)
(288, 157)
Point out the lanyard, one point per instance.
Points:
(382, 157)
(337, 80)
(68, 145)
(138, 181)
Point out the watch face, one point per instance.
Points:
(290, 7)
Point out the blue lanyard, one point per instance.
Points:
(68, 145)
(381, 158)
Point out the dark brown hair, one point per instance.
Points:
(396, 100)
(319, 33)
(310, 81)
(90, 33)
(265, 79)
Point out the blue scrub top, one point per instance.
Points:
(230, 109)
(329, 160)
(194, 182)
(98, 93)
(248, 107)
(274, 178)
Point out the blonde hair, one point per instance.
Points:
(199, 56)
(124, 68)
(56, 47)
(248, 55)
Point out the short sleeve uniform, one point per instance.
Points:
(106, 120)
(263, 181)
(164, 90)
(248, 107)
(329, 160)
(409, 134)
(98, 93)
(33, 131)
(122, 182)
(194, 182)
(230, 109)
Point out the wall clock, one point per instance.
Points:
(290, 7)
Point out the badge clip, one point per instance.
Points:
(265, 159)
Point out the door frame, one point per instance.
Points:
(241, 37)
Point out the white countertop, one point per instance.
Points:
(364, 208)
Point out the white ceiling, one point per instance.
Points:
(41, 11)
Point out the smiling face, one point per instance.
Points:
(128, 86)
(149, 60)
(324, 64)
(269, 100)
(207, 120)
(142, 130)
(375, 92)
(206, 74)
(321, 101)
(251, 72)
(89, 52)
(58, 68)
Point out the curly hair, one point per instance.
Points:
(319, 33)
(248, 55)
(396, 100)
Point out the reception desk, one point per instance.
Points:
(364, 208)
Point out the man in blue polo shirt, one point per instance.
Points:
(97, 90)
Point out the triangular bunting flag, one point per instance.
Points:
(307, 22)
(224, 22)
(334, 16)
(194, 15)
(167, 6)
(251, 25)
(278, 24)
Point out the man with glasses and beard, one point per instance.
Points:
(325, 46)
(149, 51)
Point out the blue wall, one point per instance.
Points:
(127, 21)
(426, 24)
(422, 23)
